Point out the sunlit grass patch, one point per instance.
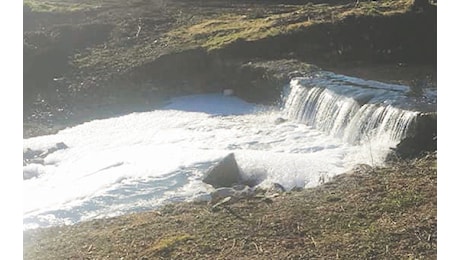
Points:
(59, 6)
(166, 243)
(218, 31)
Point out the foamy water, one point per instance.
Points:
(142, 160)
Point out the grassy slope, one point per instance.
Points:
(170, 26)
(386, 213)
(213, 29)
(217, 32)
(102, 51)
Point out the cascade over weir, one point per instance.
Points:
(139, 161)
(358, 111)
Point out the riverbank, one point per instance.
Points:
(116, 57)
(383, 213)
(86, 60)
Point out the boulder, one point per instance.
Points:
(29, 154)
(56, 147)
(280, 120)
(225, 174)
(37, 156)
(422, 138)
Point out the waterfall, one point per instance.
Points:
(352, 109)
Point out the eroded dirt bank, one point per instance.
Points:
(84, 60)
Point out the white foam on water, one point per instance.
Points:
(142, 160)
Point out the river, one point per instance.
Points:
(327, 124)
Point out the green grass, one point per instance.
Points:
(167, 243)
(58, 6)
(400, 199)
(211, 31)
(218, 31)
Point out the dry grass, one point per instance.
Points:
(385, 213)
(61, 6)
(219, 31)
(173, 26)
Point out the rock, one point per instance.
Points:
(273, 191)
(221, 193)
(422, 138)
(276, 188)
(361, 168)
(235, 193)
(225, 174)
(37, 160)
(56, 147)
(61, 145)
(280, 120)
(363, 98)
(297, 189)
(37, 156)
(29, 154)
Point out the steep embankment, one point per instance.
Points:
(119, 56)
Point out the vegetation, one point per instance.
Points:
(80, 53)
(382, 213)
(61, 6)
(217, 32)
(203, 27)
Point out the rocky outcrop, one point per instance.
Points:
(30, 156)
(225, 174)
(421, 139)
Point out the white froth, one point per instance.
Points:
(138, 161)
